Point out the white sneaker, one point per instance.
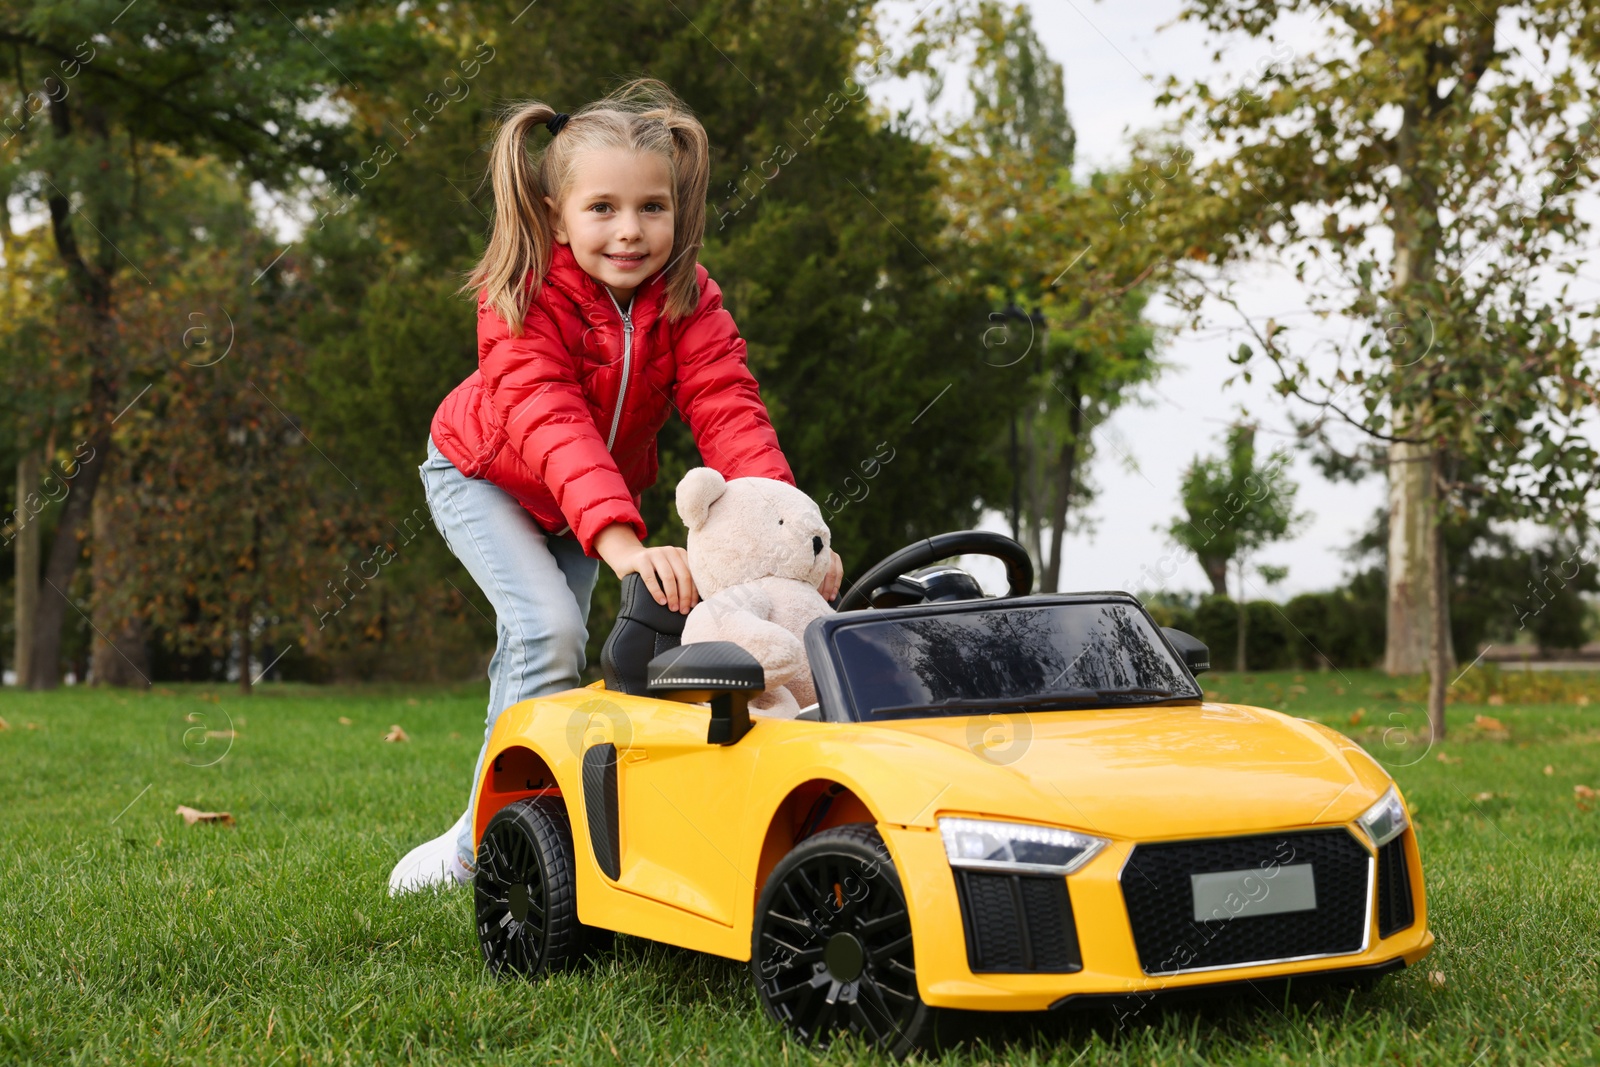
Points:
(432, 863)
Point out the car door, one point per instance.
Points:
(683, 818)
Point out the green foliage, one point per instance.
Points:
(1426, 168)
(824, 231)
(1341, 629)
(1232, 507)
(1555, 610)
(1083, 348)
(1500, 592)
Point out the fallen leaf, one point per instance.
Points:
(1484, 722)
(454, 736)
(220, 733)
(396, 734)
(1355, 720)
(1583, 792)
(192, 816)
(411, 701)
(343, 721)
(1448, 759)
(31, 725)
(4, 725)
(1436, 979)
(1583, 700)
(1495, 700)
(1549, 770)
(1483, 796)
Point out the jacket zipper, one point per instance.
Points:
(627, 364)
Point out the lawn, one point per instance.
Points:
(128, 936)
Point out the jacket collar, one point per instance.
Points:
(594, 298)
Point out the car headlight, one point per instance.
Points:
(1385, 820)
(982, 844)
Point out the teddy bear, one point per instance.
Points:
(758, 550)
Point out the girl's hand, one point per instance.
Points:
(834, 578)
(665, 570)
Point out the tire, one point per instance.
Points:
(525, 892)
(831, 947)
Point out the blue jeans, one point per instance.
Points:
(539, 586)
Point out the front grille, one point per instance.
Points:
(1160, 900)
(1018, 924)
(1395, 909)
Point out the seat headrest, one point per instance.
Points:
(644, 630)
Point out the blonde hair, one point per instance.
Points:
(643, 116)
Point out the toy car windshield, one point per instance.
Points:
(1020, 654)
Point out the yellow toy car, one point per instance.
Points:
(997, 804)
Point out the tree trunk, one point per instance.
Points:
(1033, 507)
(27, 550)
(244, 647)
(1016, 485)
(1412, 564)
(91, 283)
(1066, 484)
(1241, 632)
(1216, 568)
(1440, 660)
(119, 655)
(62, 564)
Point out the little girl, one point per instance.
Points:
(594, 319)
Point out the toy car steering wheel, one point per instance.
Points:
(1019, 568)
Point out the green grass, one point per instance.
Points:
(128, 937)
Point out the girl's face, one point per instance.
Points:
(617, 217)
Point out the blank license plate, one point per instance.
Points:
(1252, 891)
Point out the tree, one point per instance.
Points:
(1085, 348)
(1424, 173)
(23, 369)
(1233, 507)
(96, 88)
(825, 230)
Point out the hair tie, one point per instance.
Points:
(557, 122)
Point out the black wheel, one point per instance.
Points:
(831, 947)
(525, 891)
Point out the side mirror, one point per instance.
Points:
(716, 671)
(1194, 653)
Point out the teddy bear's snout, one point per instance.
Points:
(816, 546)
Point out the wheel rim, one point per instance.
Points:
(509, 891)
(836, 951)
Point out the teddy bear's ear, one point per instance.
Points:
(700, 488)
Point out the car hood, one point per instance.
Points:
(1155, 772)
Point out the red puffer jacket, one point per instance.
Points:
(565, 417)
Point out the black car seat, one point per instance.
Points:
(643, 631)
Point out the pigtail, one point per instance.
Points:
(691, 164)
(520, 239)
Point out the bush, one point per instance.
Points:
(1174, 610)
(1336, 629)
(1287, 637)
(1269, 641)
(1216, 622)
